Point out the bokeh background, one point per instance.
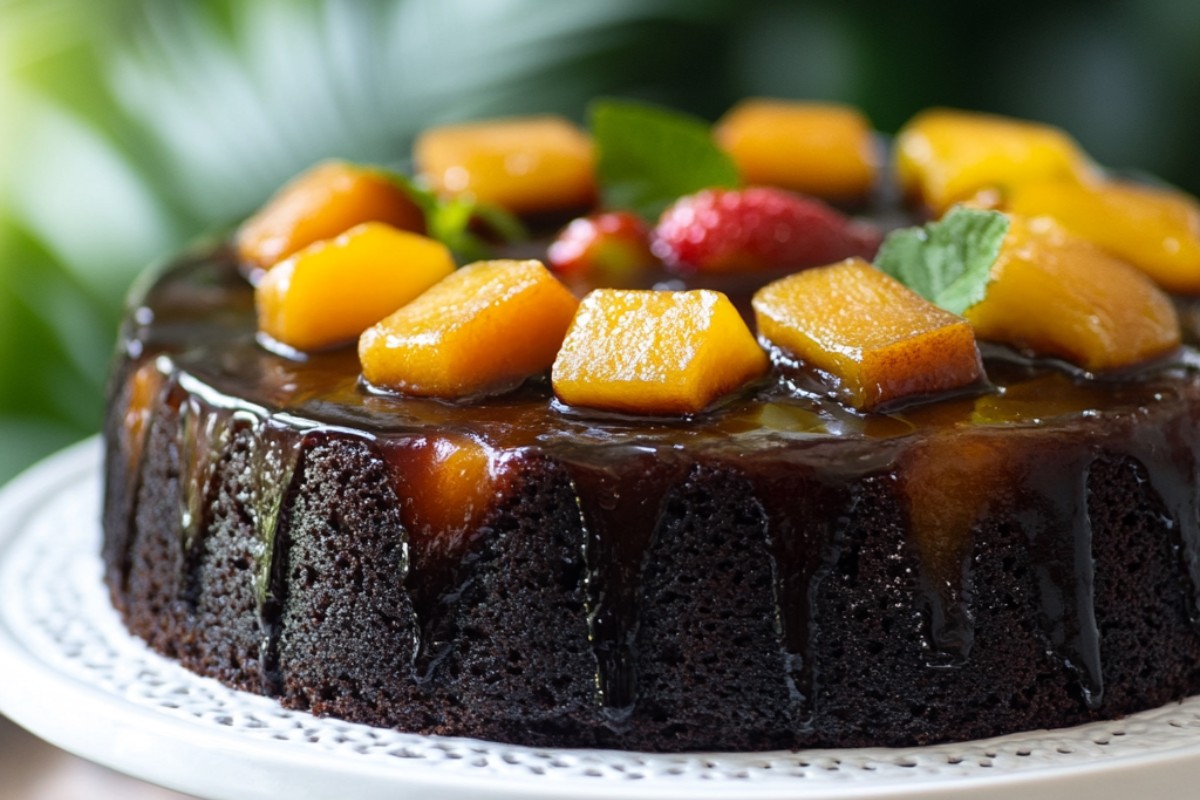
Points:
(130, 127)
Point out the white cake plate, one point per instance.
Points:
(71, 674)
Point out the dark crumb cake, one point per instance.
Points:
(776, 573)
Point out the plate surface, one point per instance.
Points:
(71, 674)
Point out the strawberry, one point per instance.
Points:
(727, 230)
(607, 249)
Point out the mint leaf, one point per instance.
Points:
(948, 262)
(503, 223)
(646, 157)
(449, 220)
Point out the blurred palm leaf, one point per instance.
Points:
(232, 116)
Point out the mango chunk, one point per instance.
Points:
(329, 199)
(1055, 294)
(330, 292)
(820, 149)
(525, 164)
(1156, 230)
(655, 352)
(486, 327)
(944, 156)
(877, 339)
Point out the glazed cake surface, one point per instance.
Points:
(778, 572)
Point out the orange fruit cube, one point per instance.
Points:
(655, 352)
(878, 340)
(1056, 294)
(944, 156)
(330, 292)
(485, 328)
(821, 149)
(329, 199)
(1156, 230)
(525, 164)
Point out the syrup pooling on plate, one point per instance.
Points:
(1040, 409)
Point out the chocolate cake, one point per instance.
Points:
(776, 573)
(990, 524)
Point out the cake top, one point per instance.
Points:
(667, 228)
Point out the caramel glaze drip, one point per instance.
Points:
(1028, 439)
(275, 459)
(806, 514)
(141, 395)
(621, 506)
(1169, 456)
(449, 487)
(207, 424)
(1054, 488)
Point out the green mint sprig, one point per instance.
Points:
(647, 157)
(450, 220)
(948, 262)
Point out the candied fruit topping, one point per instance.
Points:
(1156, 230)
(328, 200)
(338, 249)
(1055, 294)
(877, 339)
(822, 149)
(525, 165)
(484, 328)
(655, 352)
(944, 156)
(330, 292)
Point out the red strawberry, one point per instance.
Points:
(604, 250)
(726, 230)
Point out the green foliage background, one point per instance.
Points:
(130, 127)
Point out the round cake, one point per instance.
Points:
(779, 571)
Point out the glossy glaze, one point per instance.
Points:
(1027, 437)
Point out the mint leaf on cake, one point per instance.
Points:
(646, 157)
(947, 262)
(450, 220)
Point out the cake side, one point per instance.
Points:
(758, 475)
(745, 593)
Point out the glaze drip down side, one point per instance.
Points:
(777, 572)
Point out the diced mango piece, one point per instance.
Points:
(655, 352)
(329, 199)
(484, 328)
(821, 149)
(525, 164)
(944, 156)
(330, 292)
(1156, 230)
(1055, 294)
(878, 340)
